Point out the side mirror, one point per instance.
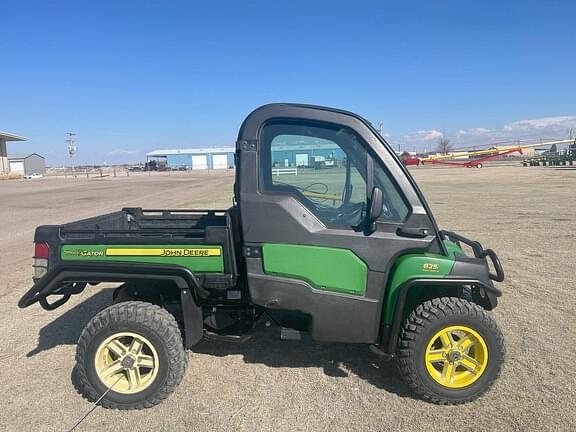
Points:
(376, 204)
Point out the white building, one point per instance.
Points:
(4, 138)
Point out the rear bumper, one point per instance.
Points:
(481, 253)
(67, 279)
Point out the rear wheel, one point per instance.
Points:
(135, 349)
(450, 350)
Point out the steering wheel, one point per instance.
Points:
(348, 214)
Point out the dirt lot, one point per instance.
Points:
(526, 214)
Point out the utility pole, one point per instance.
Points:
(572, 146)
(380, 130)
(71, 150)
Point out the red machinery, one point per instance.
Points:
(476, 162)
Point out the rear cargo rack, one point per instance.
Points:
(162, 223)
(141, 211)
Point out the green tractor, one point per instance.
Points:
(349, 254)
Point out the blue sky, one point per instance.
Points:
(132, 76)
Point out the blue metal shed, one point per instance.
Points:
(195, 158)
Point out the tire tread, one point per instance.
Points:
(150, 315)
(423, 316)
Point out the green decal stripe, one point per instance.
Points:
(330, 269)
(412, 266)
(198, 258)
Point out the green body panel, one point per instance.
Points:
(453, 248)
(330, 269)
(411, 266)
(182, 255)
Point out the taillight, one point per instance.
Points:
(41, 252)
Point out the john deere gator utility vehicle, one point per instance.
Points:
(348, 253)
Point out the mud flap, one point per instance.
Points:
(193, 320)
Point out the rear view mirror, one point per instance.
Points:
(375, 210)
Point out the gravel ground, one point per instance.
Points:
(526, 214)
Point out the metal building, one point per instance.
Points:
(306, 155)
(283, 155)
(4, 138)
(28, 164)
(194, 158)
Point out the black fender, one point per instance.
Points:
(61, 276)
(390, 337)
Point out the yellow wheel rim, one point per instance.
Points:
(456, 356)
(127, 361)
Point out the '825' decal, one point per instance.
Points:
(430, 267)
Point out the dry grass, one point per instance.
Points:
(525, 214)
(11, 176)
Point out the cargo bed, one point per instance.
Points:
(145, 228)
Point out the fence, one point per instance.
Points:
(284, 171)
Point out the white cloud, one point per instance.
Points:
(123, 152)
(541, 123)
(424, 135)
(529, 130)
(474, 131)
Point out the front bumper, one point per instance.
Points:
(479, 252)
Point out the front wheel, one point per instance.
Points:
(134, 349)
(450, 351)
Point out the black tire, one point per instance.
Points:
(152, 322)
(420, 327)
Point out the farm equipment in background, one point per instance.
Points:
(156, 165)
(321, 162)
(554, 157)
(409, 158)
(476, 158)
